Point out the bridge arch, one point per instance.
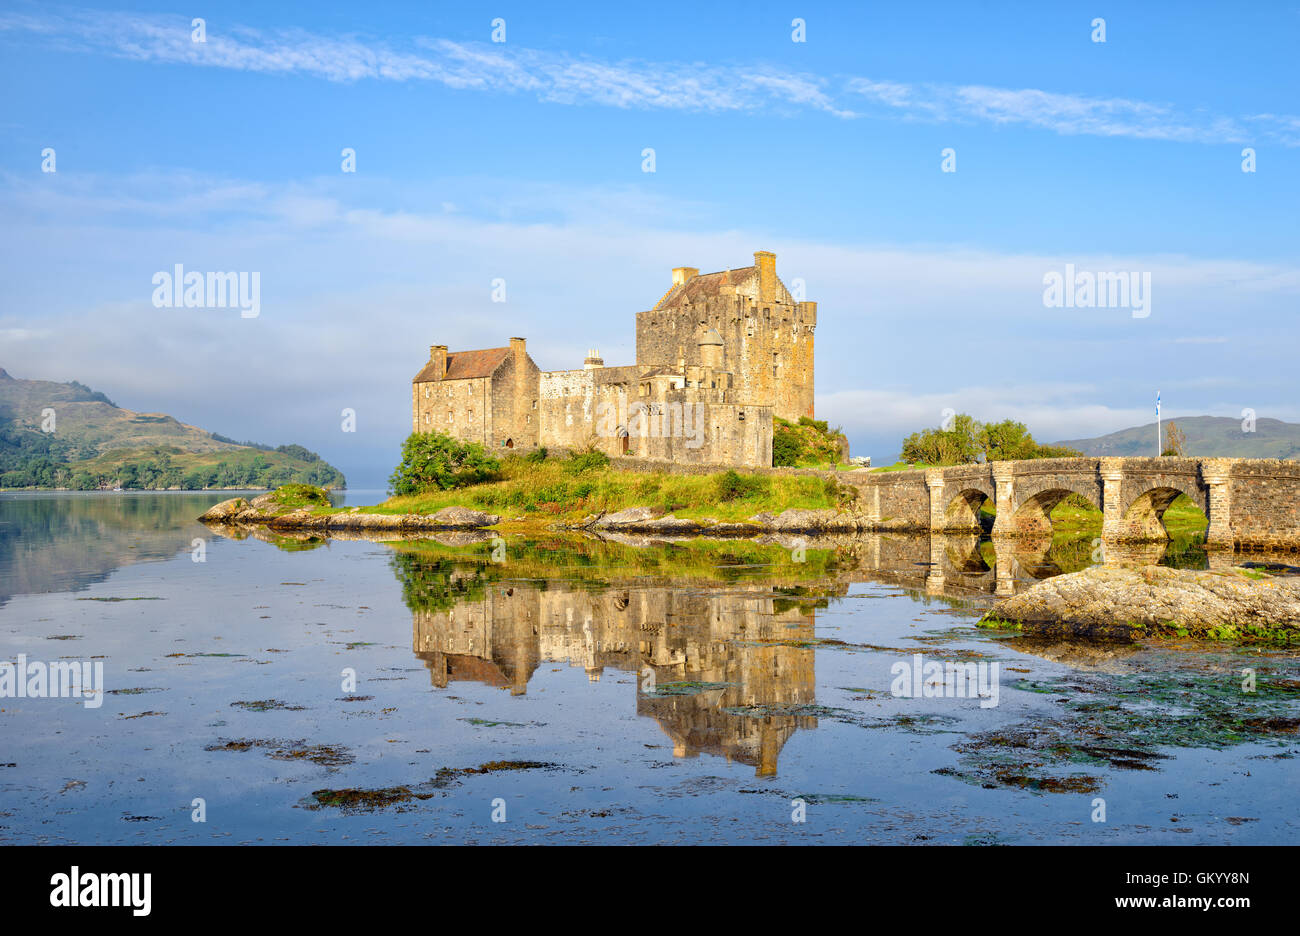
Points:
(1034, 499)
(961, 508)
(1142, 508)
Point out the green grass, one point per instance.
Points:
(1183, 518)
(556, 489)
(301, 495)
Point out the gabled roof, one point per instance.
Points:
(707, 285)
(463, 365)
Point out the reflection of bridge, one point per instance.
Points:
(1250, 503)
(733, 666)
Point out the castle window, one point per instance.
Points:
(451, 417)
(534, 404)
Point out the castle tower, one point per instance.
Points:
(766, 332)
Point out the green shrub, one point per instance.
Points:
(788, 447)
(586, 461)
(733, 486)
(434, 460)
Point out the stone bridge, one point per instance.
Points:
(1250, 503)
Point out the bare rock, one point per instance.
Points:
(1128, 602)
(625, 518)
(811, 521)
(265, 501)
(224, 512)
(464, 517)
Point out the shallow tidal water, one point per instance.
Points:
(577, 690)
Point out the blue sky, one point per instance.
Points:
(522, 160)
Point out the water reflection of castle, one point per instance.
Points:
(732, 668)
(732, 660)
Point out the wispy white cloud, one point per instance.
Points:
(552, 77)
(560, 77)
(1069, 114)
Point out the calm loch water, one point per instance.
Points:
(464, 690)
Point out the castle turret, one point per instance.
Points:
(711, 348)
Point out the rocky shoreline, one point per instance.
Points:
(264, 510)
(1157, 602)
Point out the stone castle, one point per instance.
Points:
(717, 359)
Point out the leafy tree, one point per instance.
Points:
(968, 440)
(434, 460)
(1006, 440)
(298, 452)
(957, 445)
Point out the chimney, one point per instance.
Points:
(517, 349)
(765, 260)
(682, 275)
(593, 360)
(438, 357)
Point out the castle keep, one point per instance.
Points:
(717, 358)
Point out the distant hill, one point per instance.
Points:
(1207, 437)
(97, 444)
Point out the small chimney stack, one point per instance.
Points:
(438, 358)
(683, 275)
(593, 360)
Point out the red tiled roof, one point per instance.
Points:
(462, 365)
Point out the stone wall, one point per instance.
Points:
(1263, 498)
(461, 408)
